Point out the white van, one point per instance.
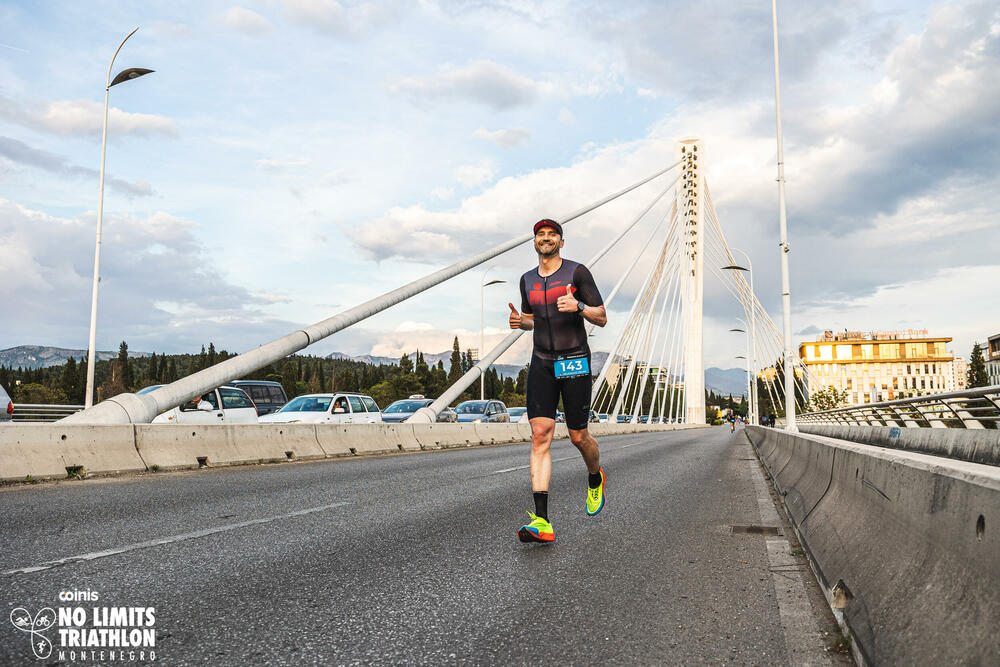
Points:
(225, 405)
(338, 408)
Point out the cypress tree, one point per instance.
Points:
(977, 376)
(69, 379)
(455, 372)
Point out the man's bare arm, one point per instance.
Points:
(595, 315)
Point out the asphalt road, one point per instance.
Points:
(412, 558)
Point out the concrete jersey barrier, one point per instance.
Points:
(906, 543)
(46, 451)
(974, 445)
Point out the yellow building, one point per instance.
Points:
(879, 365)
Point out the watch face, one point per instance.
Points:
(580, 306)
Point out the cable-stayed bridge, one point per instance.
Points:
(869, 535)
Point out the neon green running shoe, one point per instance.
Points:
(595, 497)
(539, 530)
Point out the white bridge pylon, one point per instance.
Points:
(656, 365)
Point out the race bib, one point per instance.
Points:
(568, 367)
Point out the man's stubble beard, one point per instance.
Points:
(551, 253)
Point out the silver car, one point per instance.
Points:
(402, 410)
(482, 412)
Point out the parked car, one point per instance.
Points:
(602, 417)
(6, 406)
(268, 396)
(518, 414)
(223, 405)
(594, 419)
(643, 419)
(402, 410)
(560, 417)
(338, 408)
(482, 411)
(624, 419)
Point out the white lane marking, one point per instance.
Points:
(166, 540)
(803, 639)
(497, 472)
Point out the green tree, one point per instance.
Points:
(830, 398)
(211, 353)
(455, 372)
(977, 376)
(68, 382)
(124, 366)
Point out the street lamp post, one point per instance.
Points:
(786, 294)
(750, 405)
(752, 330)
(124, 75)
(482, 325)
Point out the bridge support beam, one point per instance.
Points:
(691, 201)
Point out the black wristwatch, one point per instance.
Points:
(580, 305)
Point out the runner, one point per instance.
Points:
(556, 298)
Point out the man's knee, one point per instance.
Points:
(541, 433)
(579, 438)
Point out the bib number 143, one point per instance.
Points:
(572, 367)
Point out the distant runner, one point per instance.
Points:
(556, 298)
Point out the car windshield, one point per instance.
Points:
(406, 406)
(307, 404)
(471, 408)
(516, 412)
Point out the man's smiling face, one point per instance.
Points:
(548, 242)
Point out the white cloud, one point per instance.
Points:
(566, 117)
(330, 16)
(85, 117)
(507, 138)
(274, 164)
(443, 193)
(647, 93)
(144, 261)
(246, 20)
(482, 81)
(471, 175)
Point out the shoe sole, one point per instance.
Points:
(603, 498)
(526, 535)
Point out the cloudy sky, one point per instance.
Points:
(288, 160)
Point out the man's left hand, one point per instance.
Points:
(567, 303)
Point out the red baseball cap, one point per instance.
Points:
(545, 222)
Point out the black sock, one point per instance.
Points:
(542, 504)
(594, 479)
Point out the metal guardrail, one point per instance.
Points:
(39, 412)
(972, 409)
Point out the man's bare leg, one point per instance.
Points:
(542, 429)
(588, 448)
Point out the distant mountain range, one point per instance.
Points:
(726, 381)
(41, 356)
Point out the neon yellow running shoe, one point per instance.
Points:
(595, 497)
(539, 530)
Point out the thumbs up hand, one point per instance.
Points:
(515, 317)
(567, 303)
